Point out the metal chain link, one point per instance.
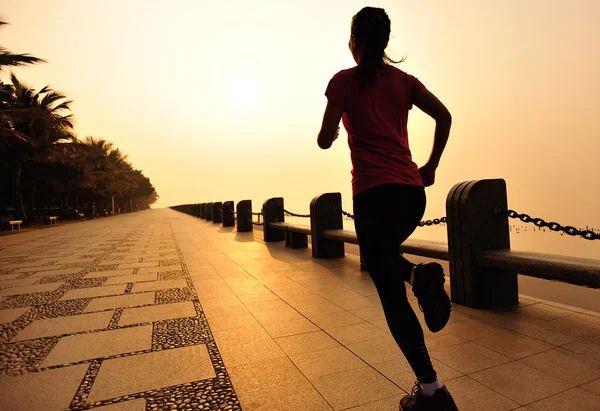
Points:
(553, 226)
(253, 213)
(296, 215)
(347, 214)
(435, 221)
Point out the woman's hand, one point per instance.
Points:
(337, 134)
(428, 174)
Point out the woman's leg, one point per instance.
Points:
(384, 217)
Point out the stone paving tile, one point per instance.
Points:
(120, 301)
(109, 273)
(400, 373)
(90, 292)
(80, 347)
(324, 362)
(121, 376)
(16, 283)
(305, 343)
(593, 387)
(586, 348)
(287, 328)
(250, 352)
(470, 395)
(355, 387)
(138, 265)
(157, 313)
(156, 269)
(159, 285)
(40, 391)
(376, 350)
(473, 329)
(11, 314)
(369, 313)
(514, 345)
(5, 277)
(469, 357)
(390, 403)
(65, 325)
(335, 320)
(565, 365)
(532, 385)
(275, 385)
(133, 278)
(131, 405)
(47, 273)
(30, 289)
(356, 333)
(543, 311)
(573, 399)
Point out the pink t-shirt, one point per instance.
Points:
(376, 121)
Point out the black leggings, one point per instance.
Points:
(384, 217)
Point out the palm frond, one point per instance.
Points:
(9, 59)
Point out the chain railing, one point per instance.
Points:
(289, 213)
(435, 221)
(553, 226)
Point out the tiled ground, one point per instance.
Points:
(158, 311)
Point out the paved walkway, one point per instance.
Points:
(158, 310)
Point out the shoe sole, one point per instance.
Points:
(437, 317)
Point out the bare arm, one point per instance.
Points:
(430, 104)
(329, 127)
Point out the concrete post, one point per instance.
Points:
(473, 227)
(217, 213)
(323, 217)
(273, 213)
(209, 211)
(228, 217)
(244, 216)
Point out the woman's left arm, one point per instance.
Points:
(330, 128)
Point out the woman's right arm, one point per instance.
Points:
(430, 104)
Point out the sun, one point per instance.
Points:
(244, 94)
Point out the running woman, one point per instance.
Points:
(373, 100)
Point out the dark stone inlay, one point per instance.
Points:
(170, 275)
(24, 357)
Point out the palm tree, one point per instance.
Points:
(38, 116)
(8, 59)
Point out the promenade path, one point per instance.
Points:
(158, 310)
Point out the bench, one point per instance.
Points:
(52, 220)
(14, 223)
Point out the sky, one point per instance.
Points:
(219, 101)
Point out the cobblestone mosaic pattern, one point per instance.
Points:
(53, 296)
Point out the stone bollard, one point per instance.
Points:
(203, 211)
(323, 217)
(228, 217)
(209, 210)
(244, 216)
(217, 213)
(273, 213)
(473, 227)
